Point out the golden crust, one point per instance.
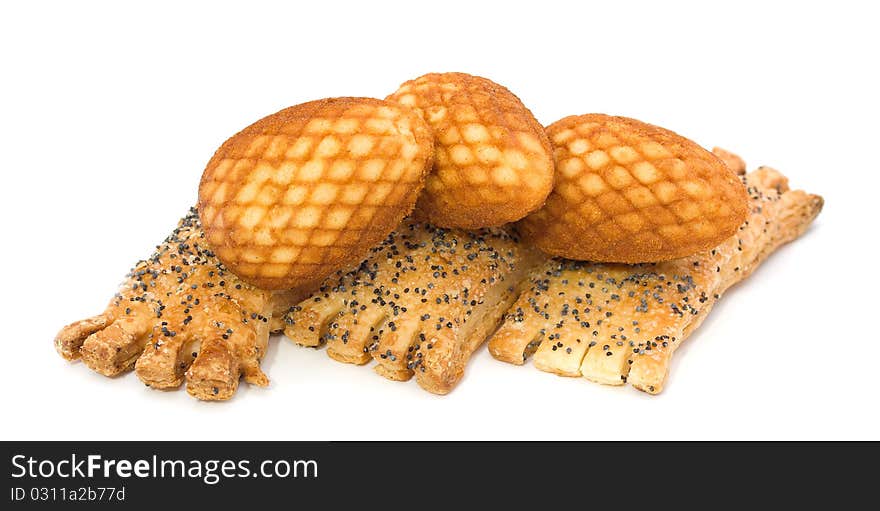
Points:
(493, 163)
(308, 190)
(180, 316)
(733, 161)
(631, 192)
(420, 304)
(615, 323)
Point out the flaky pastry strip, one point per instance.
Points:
(614, 323)
(420, 304)
(181, 316)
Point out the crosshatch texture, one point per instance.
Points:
(303, 192)
(632, 192)
(492, 164)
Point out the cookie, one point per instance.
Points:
(492, 163)
(308, 190)
(631, 192)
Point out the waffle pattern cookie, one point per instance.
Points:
(615, 323)
(631, 192)
(493, 163)
(308, 190)
(181, 316)
(421, 303)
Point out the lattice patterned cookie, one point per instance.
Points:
(493, 163)
(308, 190)
(630, 192)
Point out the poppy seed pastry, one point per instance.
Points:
(618, 323)
(419, 305)
(181, 316)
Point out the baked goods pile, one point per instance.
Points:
(409, 231)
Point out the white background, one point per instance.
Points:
(110, 112)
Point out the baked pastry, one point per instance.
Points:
(492, 163)
(421, 303)
(615, 323)
(308, 190)
(630, 192)
(181, 316)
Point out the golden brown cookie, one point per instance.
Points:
(631, 192)
(308, 190)
(617, 323)
(492, 163)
